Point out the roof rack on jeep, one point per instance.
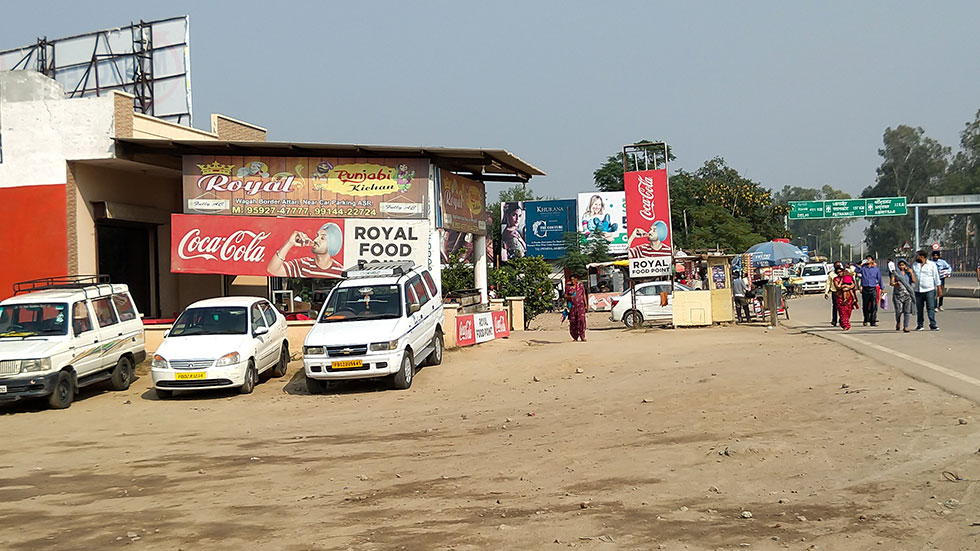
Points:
(61, 282)
(366, 269)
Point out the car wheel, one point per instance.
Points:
(435, 358)
(315, 386)
(632, 319)
(280, 368)
(122, 375)
(251, 377)
(64, 392)
(403, 379)
(164, 394)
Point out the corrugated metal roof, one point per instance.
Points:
(489, 165)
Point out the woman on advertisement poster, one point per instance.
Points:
(512, 235)
(595, 218)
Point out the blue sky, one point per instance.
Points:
(794, 93)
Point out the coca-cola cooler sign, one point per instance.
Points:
(476, 328)
(291, 247)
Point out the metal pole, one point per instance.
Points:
(916, 228)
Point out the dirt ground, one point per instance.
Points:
(655, 439)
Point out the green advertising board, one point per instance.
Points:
(847, 208)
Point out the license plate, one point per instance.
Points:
(346, 364)
(190, 376)
(3, 389)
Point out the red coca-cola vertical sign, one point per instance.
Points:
(648, 219)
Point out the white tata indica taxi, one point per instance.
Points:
(221, 343)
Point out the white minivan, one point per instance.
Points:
(61, 334)
(381, 320)
(222, 342)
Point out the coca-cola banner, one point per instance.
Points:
(291, 247)
(648, 220)
(476, 328)
(305, 187)
(462, 204)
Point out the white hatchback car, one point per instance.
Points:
(649, 304)
(221, 343)
(383, 319)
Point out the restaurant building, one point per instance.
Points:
(88, 186)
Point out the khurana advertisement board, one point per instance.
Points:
(604, 212)
(547, 222)
(291, 247)
(305, 187)
(648, 217)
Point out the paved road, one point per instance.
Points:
(949, 357)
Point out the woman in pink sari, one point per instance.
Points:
(575, 295)
(846, 300)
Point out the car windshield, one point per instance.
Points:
(26, 320)
(367, 302)
(814, 271)
(211, 320)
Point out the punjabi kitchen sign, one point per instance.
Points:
(462, 204)
(305, 187)
(291, 247)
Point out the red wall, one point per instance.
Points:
(33, 234)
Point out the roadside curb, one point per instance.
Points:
(925, 371)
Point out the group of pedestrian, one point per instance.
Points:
(917, 289)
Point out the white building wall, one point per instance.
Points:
(40, 130)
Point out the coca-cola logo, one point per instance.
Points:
(644, 185)
(465, 330)
(241, 245)
(500, 325)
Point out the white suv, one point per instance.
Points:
(383, 319)
(60, 334)
(221, 343)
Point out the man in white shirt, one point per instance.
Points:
(927, 285)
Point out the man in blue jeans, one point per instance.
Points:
(927, 285)
(870, 289)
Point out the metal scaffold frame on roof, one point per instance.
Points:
(148, 59)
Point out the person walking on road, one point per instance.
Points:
(740, 290)
(927, 286)
(945, 271)
(903, 281)
(575, 295)
(830, 292)
(845, 297)
(870, 290)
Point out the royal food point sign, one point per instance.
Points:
(648, 217)
(305, 187)
(291, 247)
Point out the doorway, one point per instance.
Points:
(124, 253)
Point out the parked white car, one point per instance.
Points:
(382, 320)
(814, 277)
(61, 334)
(649, 305)
(221, 343)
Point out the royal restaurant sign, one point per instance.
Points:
(305, 187)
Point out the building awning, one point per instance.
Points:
(486, 165)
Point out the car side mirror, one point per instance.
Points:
(414, 308)
(260, 331)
